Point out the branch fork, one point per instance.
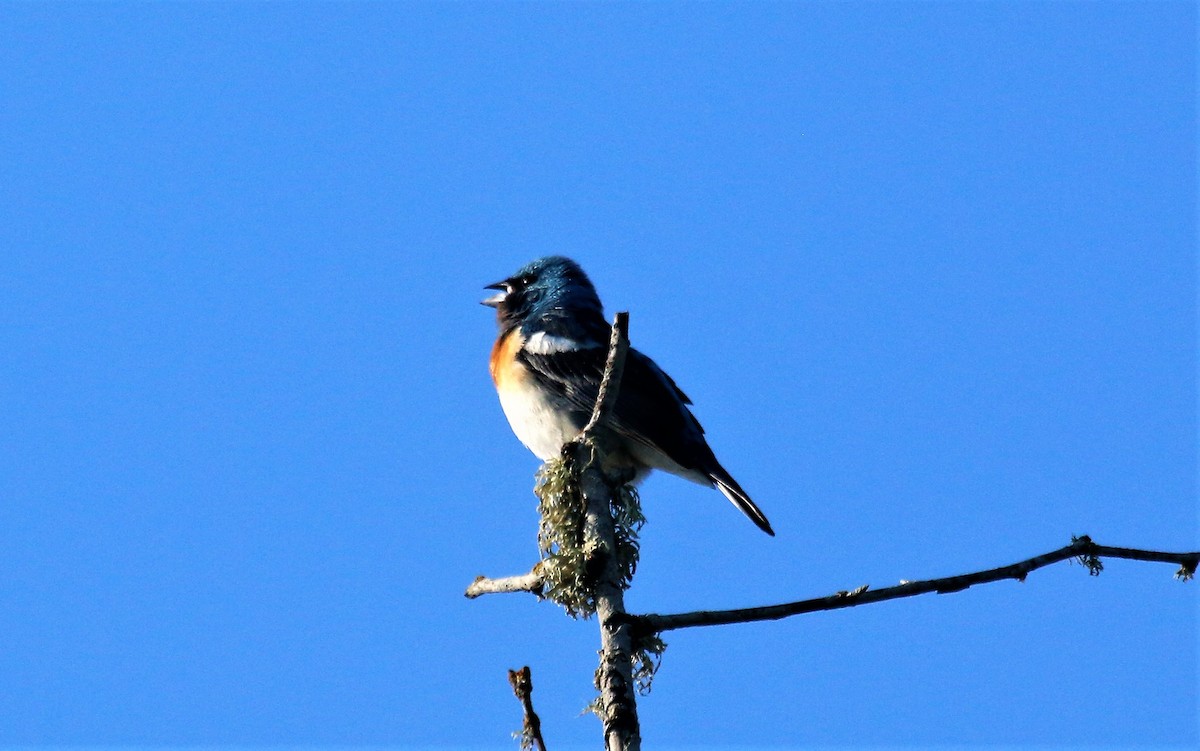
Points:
(624, 635)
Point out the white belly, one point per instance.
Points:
(538, 424)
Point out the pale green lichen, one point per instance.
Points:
(567, 558)
(561, 540)
(627, 522)
(647, 658)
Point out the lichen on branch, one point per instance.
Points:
(567, 561)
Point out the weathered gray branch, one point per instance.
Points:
(1083, 549)
(531, 582)
(614, 679)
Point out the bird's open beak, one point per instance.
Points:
(495, 300)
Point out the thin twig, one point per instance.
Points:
(531, 731)
(1187, 561)
(614, 368)
(1083, 549)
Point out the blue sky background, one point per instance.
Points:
(928, 271)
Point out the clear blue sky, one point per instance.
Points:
(928, 271)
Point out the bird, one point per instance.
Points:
(547, 363)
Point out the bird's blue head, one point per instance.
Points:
(549, 293)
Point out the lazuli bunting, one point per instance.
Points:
(547, 364)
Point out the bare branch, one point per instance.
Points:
(1083, 549)
(531, 731)
(531, 582)
(614, 678)
(1187, 561)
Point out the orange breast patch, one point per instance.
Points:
(503, 362)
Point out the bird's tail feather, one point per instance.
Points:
(731, 490)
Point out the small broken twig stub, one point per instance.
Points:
(531, 582)
(531, 729)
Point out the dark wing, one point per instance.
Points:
(650, 408)
(654, 412)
